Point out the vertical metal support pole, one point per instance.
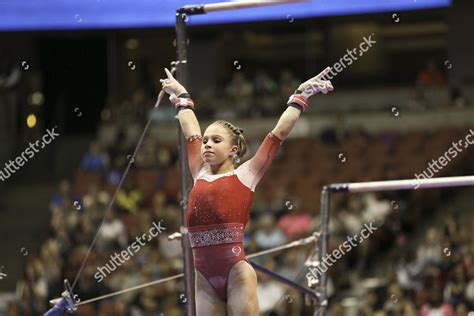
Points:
(186, 183)
(323, 249)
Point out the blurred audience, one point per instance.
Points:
(94, 159)
(431, 275)
(431, 75)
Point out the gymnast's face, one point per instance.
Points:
(216, 147)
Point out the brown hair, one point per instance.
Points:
(237, 137)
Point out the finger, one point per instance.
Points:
(328, 85)
(165, 82)
(315, 81)
(320, 84)
(173, 97)
(168, 73)
(323, 73)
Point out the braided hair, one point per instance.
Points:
(237, 138)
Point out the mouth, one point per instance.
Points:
(208, 152)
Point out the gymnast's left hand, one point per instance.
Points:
(315, 85)
(308, 88)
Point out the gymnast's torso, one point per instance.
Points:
(227, 197)
(218, 199)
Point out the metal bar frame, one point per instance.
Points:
(287, 281)
(372, 186)
(186, 184)
(195, 9)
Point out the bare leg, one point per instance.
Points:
(208, 302)
(242, 290)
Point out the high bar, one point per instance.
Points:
(410, 184)
(194, 9)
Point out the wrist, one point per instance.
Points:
(184, 108)
(299, 101)
(297, 106)
(180, 91)
(184, 95)
(183, 102)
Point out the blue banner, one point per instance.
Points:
(100, 14)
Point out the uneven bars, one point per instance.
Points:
(411, 184)
(194, 9)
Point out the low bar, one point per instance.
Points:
(409, 184)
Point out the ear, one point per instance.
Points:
(234, 150)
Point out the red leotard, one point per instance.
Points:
(218, 210)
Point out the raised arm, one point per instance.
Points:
(298, 103)
(189, 123)
(187, 119)
(253, 170)
(286, 122)
(192, 134)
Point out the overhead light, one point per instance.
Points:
(31, 120)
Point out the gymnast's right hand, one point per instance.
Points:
(171, 86)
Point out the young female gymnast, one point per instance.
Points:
(220, 200)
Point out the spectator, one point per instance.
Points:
(116, 172)
(430, 75)
(112, 233)
(288, 83)
(94, 159)
(429, 252)
(265, 89)
(239, 87)
(240, 92)
(269, 291)
(147, 157)
(129, 199)
(268, 235)
(457, 96)
(95, 197)
(64, 200)
(454, 290)
(351, 218)
(376, 208)
(296, 225)
(435, 305)
(264, 85)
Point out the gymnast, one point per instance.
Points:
(220, 200)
